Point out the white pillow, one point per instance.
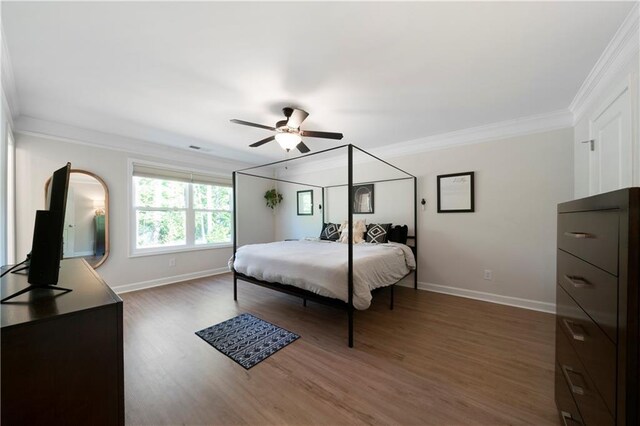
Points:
(359, 228)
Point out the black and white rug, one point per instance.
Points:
(247, 339)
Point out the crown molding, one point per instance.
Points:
(9, 91)
(618, 55)
(474, 135)
(64, 133)
(490, 132)
(501, 130)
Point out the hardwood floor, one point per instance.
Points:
(433, 360)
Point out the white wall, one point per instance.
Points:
(518, 183)
(393, 203)
(37, 157)
(393, 200)
(288, 225)
(255, 221)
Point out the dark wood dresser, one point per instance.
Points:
(62, 359)
(597, 309)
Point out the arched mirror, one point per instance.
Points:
(86, 220)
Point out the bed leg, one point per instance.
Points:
(304, 302)
(235, 287)
(350, 327)
(391, 299)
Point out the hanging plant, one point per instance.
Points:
(273, 198)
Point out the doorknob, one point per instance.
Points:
(591, 143)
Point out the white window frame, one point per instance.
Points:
(190, 245)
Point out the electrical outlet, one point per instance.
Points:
(172, 261)
(488, 274)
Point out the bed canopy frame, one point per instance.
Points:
(304, 294)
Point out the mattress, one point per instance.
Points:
(322, 266)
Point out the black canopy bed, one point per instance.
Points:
(311, 269)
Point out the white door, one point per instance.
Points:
(69, 234)
(611, 159)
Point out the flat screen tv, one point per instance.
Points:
(46, 250)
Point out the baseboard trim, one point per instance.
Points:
(517, 302)
(126, 288)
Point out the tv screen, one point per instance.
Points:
(57, 197)
(46, 250)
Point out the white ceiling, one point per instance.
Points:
(381, 73)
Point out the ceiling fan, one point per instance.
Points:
(288, 132)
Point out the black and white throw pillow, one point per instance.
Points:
(377, 232)
(330, 231)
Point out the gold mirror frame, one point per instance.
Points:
(106, 210)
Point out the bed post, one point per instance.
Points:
(235, 237)
(391, 298)
(350, 224)
(324, 207)
(415, 229)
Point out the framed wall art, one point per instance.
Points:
(363, 199)
(305, 203)
(456, 193)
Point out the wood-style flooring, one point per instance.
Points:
(433, 360)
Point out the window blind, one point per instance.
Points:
(158, 172)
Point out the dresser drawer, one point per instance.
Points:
(595, 351)
(593, 289)
(592, 408)
(569, 414)
(592, 236)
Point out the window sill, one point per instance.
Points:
(170, 250)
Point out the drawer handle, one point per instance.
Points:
(576, 336)
(578, 390)
(577, 282)
(568, 420)
(578, 235)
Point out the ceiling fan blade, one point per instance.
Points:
(296, 118)
(248, 123)
(325, 135)
(302, 147)
(262, 142)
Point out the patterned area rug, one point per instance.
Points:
(247, 339)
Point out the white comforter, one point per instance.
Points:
(321, 266)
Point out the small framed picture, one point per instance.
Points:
(363, 199)
(305, 203)
(455, 193)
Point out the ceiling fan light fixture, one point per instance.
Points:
(288, 133)
(287, 140)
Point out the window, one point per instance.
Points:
(212, 210)
(175, 210)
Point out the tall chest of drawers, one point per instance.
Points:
(597, 328)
